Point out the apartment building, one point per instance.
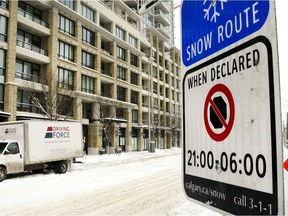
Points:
(114, 70)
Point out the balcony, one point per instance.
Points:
(3, 37)
(4, 4)
(163, 6)
(32, 47)
(162, 29)
(106, 94)
(34, 24)
(27, 107)
(29, 77)
(29, 51)
(105, 72)
(161, 17)
(87, 90)
(33, 18)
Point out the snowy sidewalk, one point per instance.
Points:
(127, 156)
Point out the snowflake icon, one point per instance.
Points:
(213, 11)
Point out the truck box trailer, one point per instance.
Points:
(36, 145)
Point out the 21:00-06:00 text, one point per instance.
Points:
(229, 162)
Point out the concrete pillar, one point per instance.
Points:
(77, 108)
(94, 138)
(52, 72)
(95, 131)
(98, 64)
(113, 138)
(10, 92)
(78, 57)
(140, 140)
(111, 132)
(128, 117)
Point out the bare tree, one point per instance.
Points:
(54, 104)
(106, 122)
(175, 126)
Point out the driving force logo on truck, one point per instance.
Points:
(57, 132)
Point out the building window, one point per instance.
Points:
(167, 92)
(88, 60)
(27, 71)
(68, 3)
(87, 84)
(155, 103)
(154, 55)
(4, 4)
(29, 41)
(65, 78)
(121, 73)
(134, 97)
(121, 53)
(132, 41)
(87, 12)
(24, 103)
(121, 93)
(173, 108)
(1, 97)
(155, 87)
(88, 36)
(3, 28)
(65, 51)
(134, 60)
(66, 25)
(167, 78)
(155, 74)
(134, 116)
(120, 33)
(2, 62)
(134, 78)
(31, 13)
(65, 105)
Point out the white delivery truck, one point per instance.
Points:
(37, 145)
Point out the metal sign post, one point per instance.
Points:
(232, 151)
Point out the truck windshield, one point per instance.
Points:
(2, 146)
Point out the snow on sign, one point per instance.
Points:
(232, 147)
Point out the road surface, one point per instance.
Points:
(142, 184)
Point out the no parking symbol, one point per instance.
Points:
(218, 114)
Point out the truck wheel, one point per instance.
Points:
(3, 174)
(61, 167)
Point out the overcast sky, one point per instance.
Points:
(282, 31)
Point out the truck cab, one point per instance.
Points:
(11, 157)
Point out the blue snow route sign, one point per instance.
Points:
(211, 25)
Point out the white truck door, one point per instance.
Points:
(14, 158)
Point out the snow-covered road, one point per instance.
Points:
(137, 183)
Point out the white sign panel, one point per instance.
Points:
(231, 120)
